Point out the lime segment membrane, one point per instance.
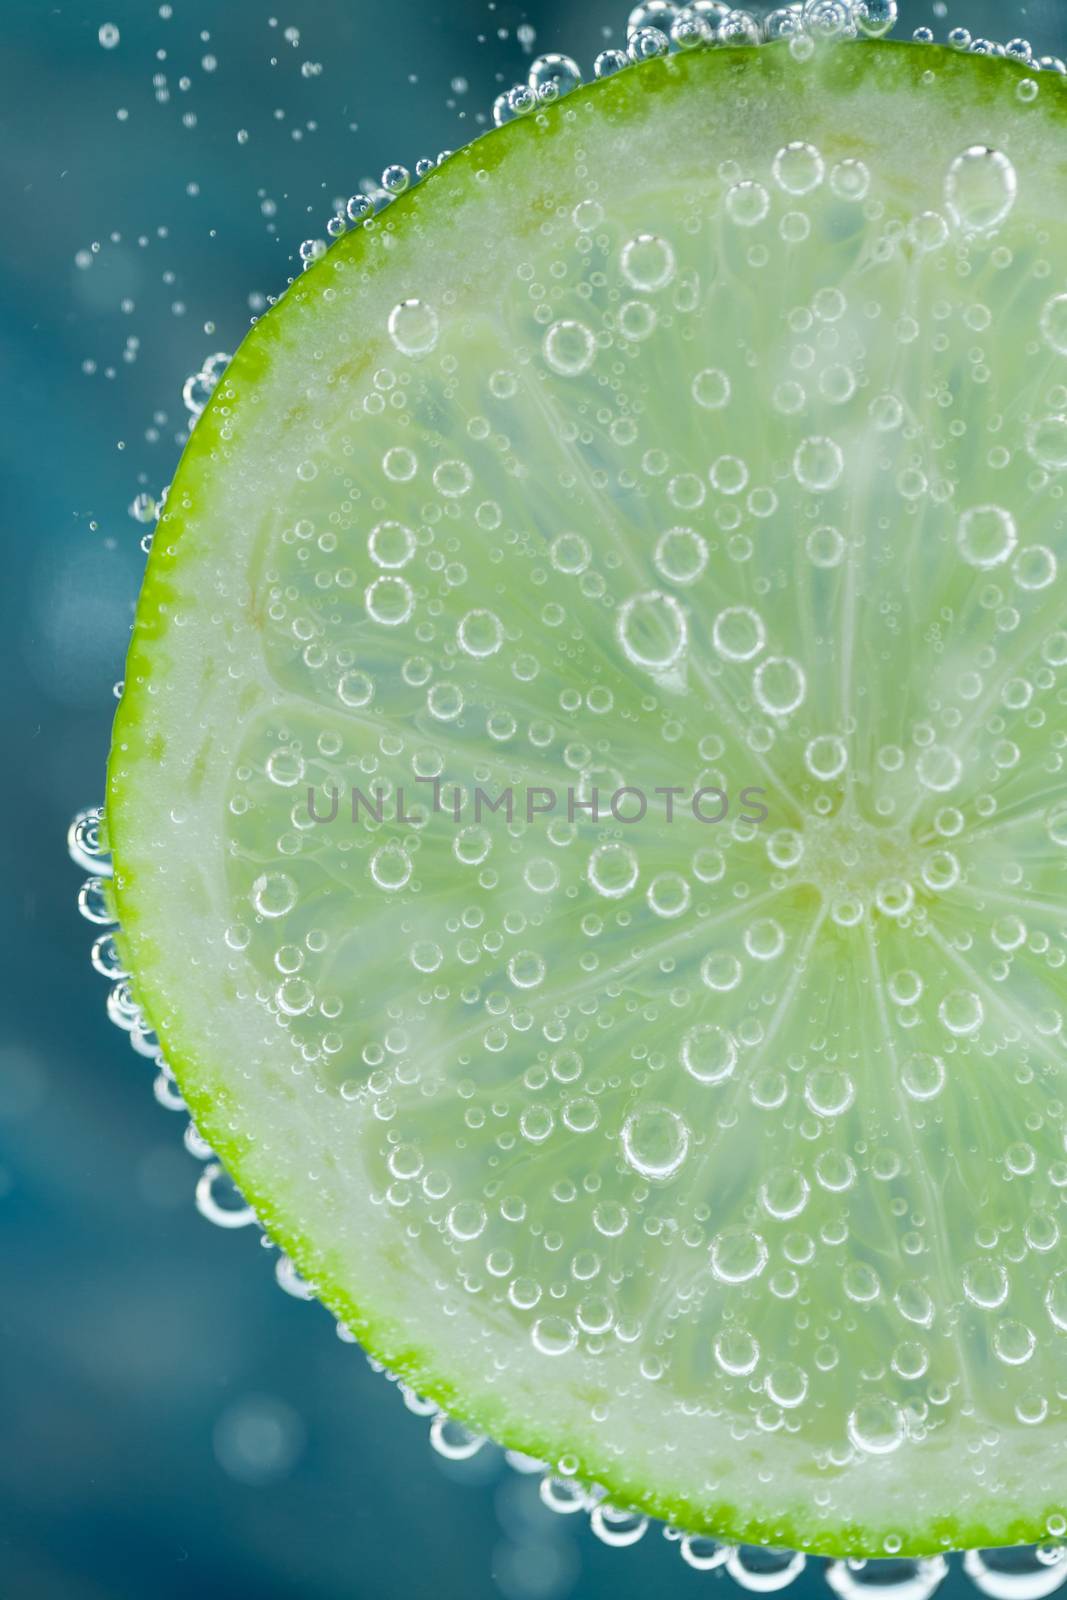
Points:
(588, 805)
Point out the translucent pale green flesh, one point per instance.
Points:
(429, 1091)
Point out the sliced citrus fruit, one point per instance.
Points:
(694, 449)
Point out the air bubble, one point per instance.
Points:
(651, 14)
(939, 769)
(680, 555)
(389, 601)
(1046, 440)
(570, 553)
(391, 867)
(391, 544)
(480, 633)
(414, 327)
(652, 630)
(273, 894)
(613, 870)
(980, 189)
(569, 348)
(395, 179)
(1034, 567)
(647, 44)
(780, 685)
(961, 1012)
(648, 263)
(557, 72)
(747, 203)
(798, 168)
(850, 180)
(825, 547)
(1054, 324)
(736, 1351)
(826, 757)
(923, 1075)
(1056, 1300)
(738, 633)
(554, 1336)
(738, 1255)
(875, 18)
(818, 464)
(709, 1053)
(986, 536)
(608, 62)
(876, 1426)
(783, 23)
(711, 389)
(355, 689)
(668, 894)
(655, 1141)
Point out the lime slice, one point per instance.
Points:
(704, 432)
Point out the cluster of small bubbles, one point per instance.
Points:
(200, 386)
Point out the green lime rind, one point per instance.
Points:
(982, 90)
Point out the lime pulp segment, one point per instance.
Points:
(706, 432)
